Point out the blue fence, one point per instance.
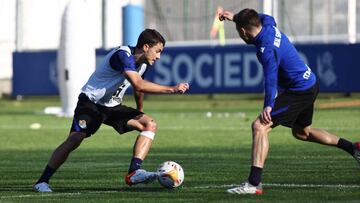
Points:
(208, 69)
(34, 73)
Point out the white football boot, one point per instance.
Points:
(140, 176)
(42, 187)
(246, 188)
(357, 151)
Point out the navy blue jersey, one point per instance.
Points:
(123, 60)
(282, 65)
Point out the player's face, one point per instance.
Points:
(153, 53)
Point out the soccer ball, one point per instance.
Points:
(171, 174)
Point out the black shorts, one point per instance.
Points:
(89, 116)
(295, 107)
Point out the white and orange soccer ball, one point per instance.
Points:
(171, 174)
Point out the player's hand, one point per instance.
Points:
(226, 15)
(265, 116)
(181, 88)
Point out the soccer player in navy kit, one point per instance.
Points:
(100, 102)
(290, 92)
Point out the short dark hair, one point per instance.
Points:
(247, 17)
(150, 37)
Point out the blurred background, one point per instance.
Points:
(325, 32)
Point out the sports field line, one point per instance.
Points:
(276, 185)
(285, 185)
(58, 194)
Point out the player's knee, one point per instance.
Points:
(149, 128)
(258, 128)
(75, 138)
(300, 134)
(150, 125)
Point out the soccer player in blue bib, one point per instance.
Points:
(290, 92)
(100, 102)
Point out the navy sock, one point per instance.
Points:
(255, 176)
(46, 175)
(135, 164)
(346, 146)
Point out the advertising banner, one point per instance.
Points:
(208, 69)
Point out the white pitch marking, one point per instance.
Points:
(284, 186)
(196, 187)
(53, 194)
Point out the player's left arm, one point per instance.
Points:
(139, 98)
(268, 58)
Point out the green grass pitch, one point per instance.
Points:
(214, 152)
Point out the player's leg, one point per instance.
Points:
(86, 121)
(147, 127)
(61, 153)
(302, 130)
(58, 157)
(323, 137)
(260, 148)
(124, 119)
(314, 135)
(283, 113)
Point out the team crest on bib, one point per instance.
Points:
(82, 124)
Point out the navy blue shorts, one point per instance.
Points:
(89, 116)
(295, 107)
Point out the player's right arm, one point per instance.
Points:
(226, 15)
(124, 62)
(142, 85)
